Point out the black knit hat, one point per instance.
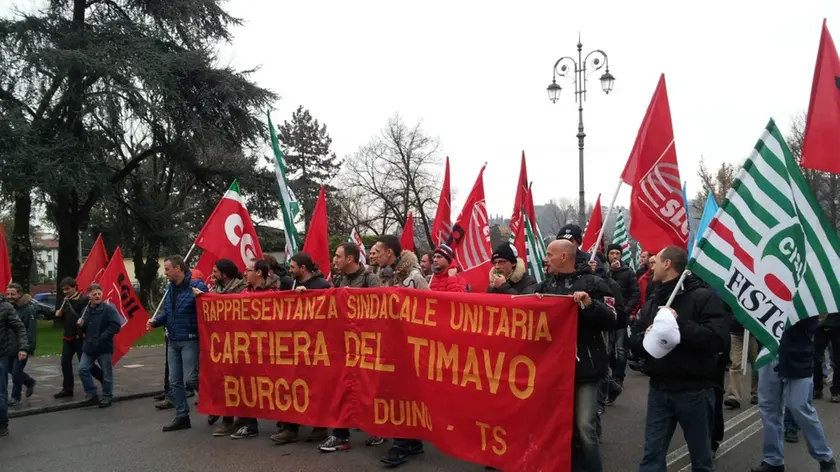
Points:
(616, 247)
(446, 252)
(571, 231)
(506, 252)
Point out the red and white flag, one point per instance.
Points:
(470, 238)
(5, 265)
(317, 243)
(407, 237)
(442, 226)
(657, 213)
(228, 234)
(118, 291)
(355, 238)
(94, 266)
(519, 199)
(590, 236)
(821, 144)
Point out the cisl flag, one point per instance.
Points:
(657, 213)
(228, 234)
(118, 291)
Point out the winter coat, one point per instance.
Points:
(71, 310)
(234, 286)
(13, 337)
(704, 333)
(100, 324)
(271, 284)
(582, 264)
(316, 282)
(642, 270)
(28, 310)
(592, 357)
(630, 295)
(179, 313)
(796, 350)
(832, 320)
(362, 278)
(646, 288)
(519, 280)
(448, 281)
(282, 279)
(404, 273)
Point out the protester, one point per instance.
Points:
(509, 274)
(226, 280)
(181, 322)
(623, 275)
(573, 233)
(786, 382)
(643, 264)
(445, 268)
(397, 268)
(681, 346)
(608, 389)
(100, 323)
(828, 332)
(736, 352)
(13, 345)
(594, 318)
(426, 265)
(278, 270)
(72, 307)
(27, 310)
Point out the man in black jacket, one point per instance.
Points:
(681, 359)
(573, 233)
(828, 332)
(626, 279)
(100, 324)
(74, 304)
(305, 273)
(595, 317)
(786, 383)
(509, 274)
(13, 345)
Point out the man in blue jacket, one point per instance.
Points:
(99, 324)
(181, 321)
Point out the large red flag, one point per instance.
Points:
(442, 226)
(593, 228)
(470, 238)
(228, 234)
(821, 145)
(519, 238)
(94, 266)
(118, 291)
(657, 212)
(317, 243)
(407, 237)
(519, 199)
(5, 265)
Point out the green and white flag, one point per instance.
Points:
(620, 237)
(770, 252)
(535, 246)
(288, 203)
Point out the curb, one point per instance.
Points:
(77, 404)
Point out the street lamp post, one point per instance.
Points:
(564, 66)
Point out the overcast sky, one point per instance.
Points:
(476, 72)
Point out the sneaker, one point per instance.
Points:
(374, 441)
(212, 419)
(4, 430)
(284, 437)
(246, 432)
(190, 393)
(30, 389)
(13, 402)
(158, 398)
(835, 398)
(63, 394)
(616, 387)
(105, 403)
(765, 467)
(318, 435)
(224, 429)
(90, 400)
(732, 404)
(791, 436)
(164, 404)
(828, 466)
(178, 424)
(334, 444)
(754, 400)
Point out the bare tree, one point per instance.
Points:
(718, 183)
(393, 175)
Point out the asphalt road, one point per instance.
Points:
(127, 438)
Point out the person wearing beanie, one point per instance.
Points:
(572, 232)
(445, 267)
(508, 275)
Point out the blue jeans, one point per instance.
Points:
(776, 394)
(183, 371)
(789, 422)
(694, 411)
(5, 370)
(85, 374)
(19, 377)
(586, 448)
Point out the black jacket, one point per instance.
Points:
(832, 320)
(12, 331)
(592, 358)
(71, 310)
(100, 324)
(704, 334)
(796, 350)
(518, 282)
(582, 259)
(642, 270)
(316, 282)
(286, 280)
(630, 294)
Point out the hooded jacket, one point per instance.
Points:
(704, 334)
(519, 280)
(101, 323)
(449, 280)
(592, 357)
(234, 286)
(796, 350)
(362, 278)
(28, 310)
(71, 309)
(316, 282)
(404, 273)
(630, 295)
(13, 337)
(179, 313)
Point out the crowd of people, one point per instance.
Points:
(685, 347)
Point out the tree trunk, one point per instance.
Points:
(21, 245)
(149, 274)
(68, 224)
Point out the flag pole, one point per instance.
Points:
(607, 218)
(677, 288)
(745, 352)
(160, 303)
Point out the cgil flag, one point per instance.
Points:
(357, 240)
(620, 237)
(94, 266)
(118, 291)
(769, 252)
(470, 238)
(288, 203)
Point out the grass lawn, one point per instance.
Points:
(49, 339)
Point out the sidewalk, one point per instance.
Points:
(138, 374)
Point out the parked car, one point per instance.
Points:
(47, 299)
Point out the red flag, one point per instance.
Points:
(470, 238)
(519, 199)
(442, 226)
(519, 239)
(5, 266)
(657, 212)
(590, 236)
(94, 266)
(407, 238)
(118, 291)
(821, 144)
(228, 234)
(317, 243)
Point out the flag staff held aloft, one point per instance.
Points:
(565, 67)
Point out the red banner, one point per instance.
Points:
(486, 378)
